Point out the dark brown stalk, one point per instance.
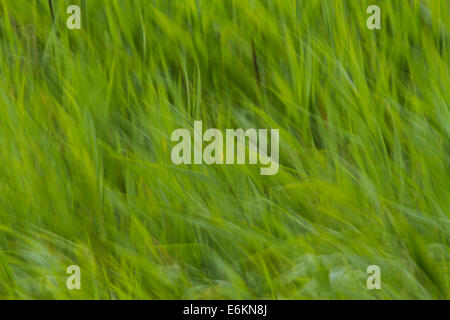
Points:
(255, 63)
(51, 10)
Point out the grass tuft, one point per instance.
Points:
(85, 170)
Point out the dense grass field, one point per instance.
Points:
(86, 176)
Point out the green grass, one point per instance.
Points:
(86, 176)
